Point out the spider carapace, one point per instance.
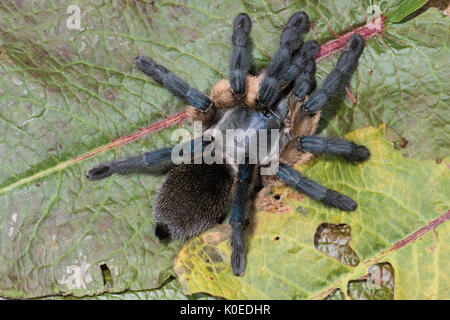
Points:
(284, 98)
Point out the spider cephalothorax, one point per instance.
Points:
(282, 98)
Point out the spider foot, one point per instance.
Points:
(238, 260)
(99, 172)
(359, 153)
(340, 201)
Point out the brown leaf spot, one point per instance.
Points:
(395, 137)
(181, 269)
(276, 203)
(218, 233)
(110, 96)
(213, 253)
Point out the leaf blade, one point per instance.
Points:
(404, 9)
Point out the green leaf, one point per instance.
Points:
(404, 8)
(169, 291)
(400, 201)
(70, 99)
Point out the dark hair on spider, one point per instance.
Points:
(194, 197)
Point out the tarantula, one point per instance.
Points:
(194, 197)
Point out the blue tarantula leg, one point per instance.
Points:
(333, 146)
(303, 69)
(290, 41)
(157, 161)
(168, 79)
(240, 60)
(245, 175)
(329, 197)
(344, 67)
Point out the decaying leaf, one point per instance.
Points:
(377, 285)
(333, 240)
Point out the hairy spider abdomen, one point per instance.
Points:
(193, 198)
